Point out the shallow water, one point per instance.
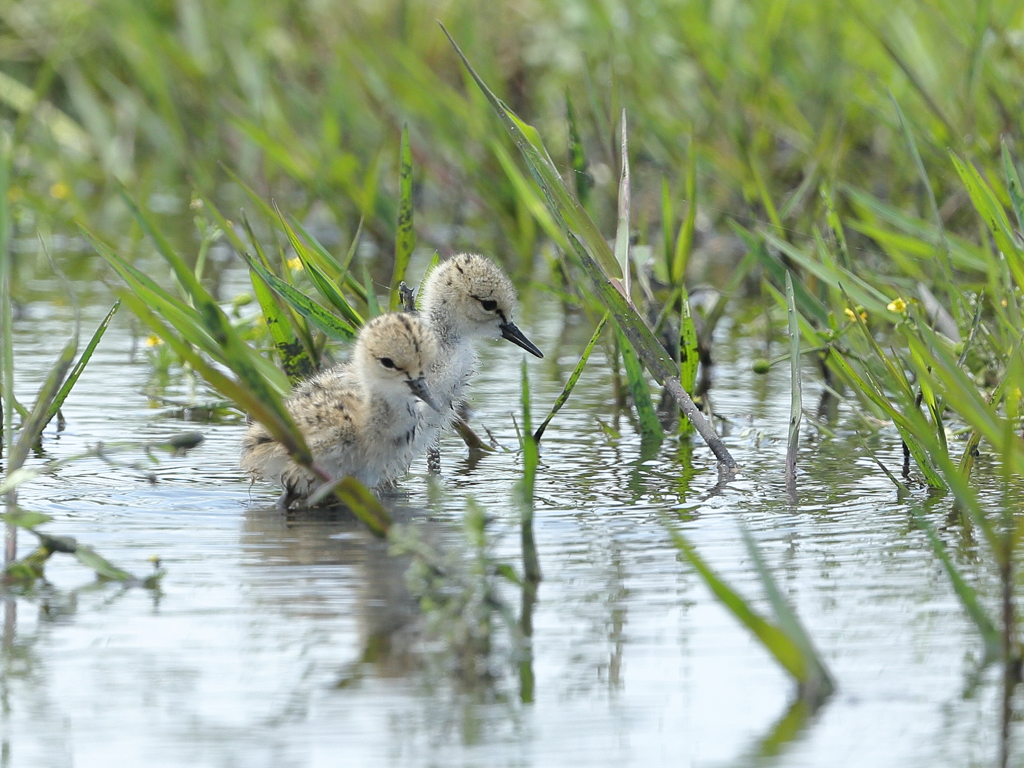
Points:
(263, 647)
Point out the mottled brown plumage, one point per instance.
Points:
(359, 419)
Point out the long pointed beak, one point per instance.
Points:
(419, 388)
(512, 333)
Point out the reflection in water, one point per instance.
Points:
(396, 638)
(331, 537)
(294, 640)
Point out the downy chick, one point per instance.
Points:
(362, 418)
(466, 298)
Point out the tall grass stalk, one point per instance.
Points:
(598, 263)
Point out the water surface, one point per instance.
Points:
(290, 641)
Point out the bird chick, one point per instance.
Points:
(468, 297)
(360, 419)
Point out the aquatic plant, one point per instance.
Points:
(19, 439)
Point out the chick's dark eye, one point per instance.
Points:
(387, 362)
(489, 305)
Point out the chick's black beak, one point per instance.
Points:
(419, 388)
(512, 333)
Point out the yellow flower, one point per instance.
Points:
(294, 264)
(897, 305)
(60, 191)
(860, 310)
(153, 340)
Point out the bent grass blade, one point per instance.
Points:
(570, 383)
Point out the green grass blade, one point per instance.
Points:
(992, 213)
(860, 290)
(262, 404)
(528, 195)
(24, 518)
(689, 344)
(259, 202)
(33, 426)
(796, 406)
(668, 218)
(808, 304)
(76, 372)
(570, 384)
(322, 257)
(364, 505)
(333, 326)
(405, 239)
(183, 317)
(295, 359)
(908, 429)
(546, 174)
(1013, 185)
(296, 322)
(771, 637)
(622, 230)
(313, 263)
(650, 427)
(225, 226)
(237, 355)
(531, 457)
(684, 243)
(577, 152)
(332, 295)
(964, 591)
(908, 135)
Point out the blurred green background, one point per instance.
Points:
(305, 102)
